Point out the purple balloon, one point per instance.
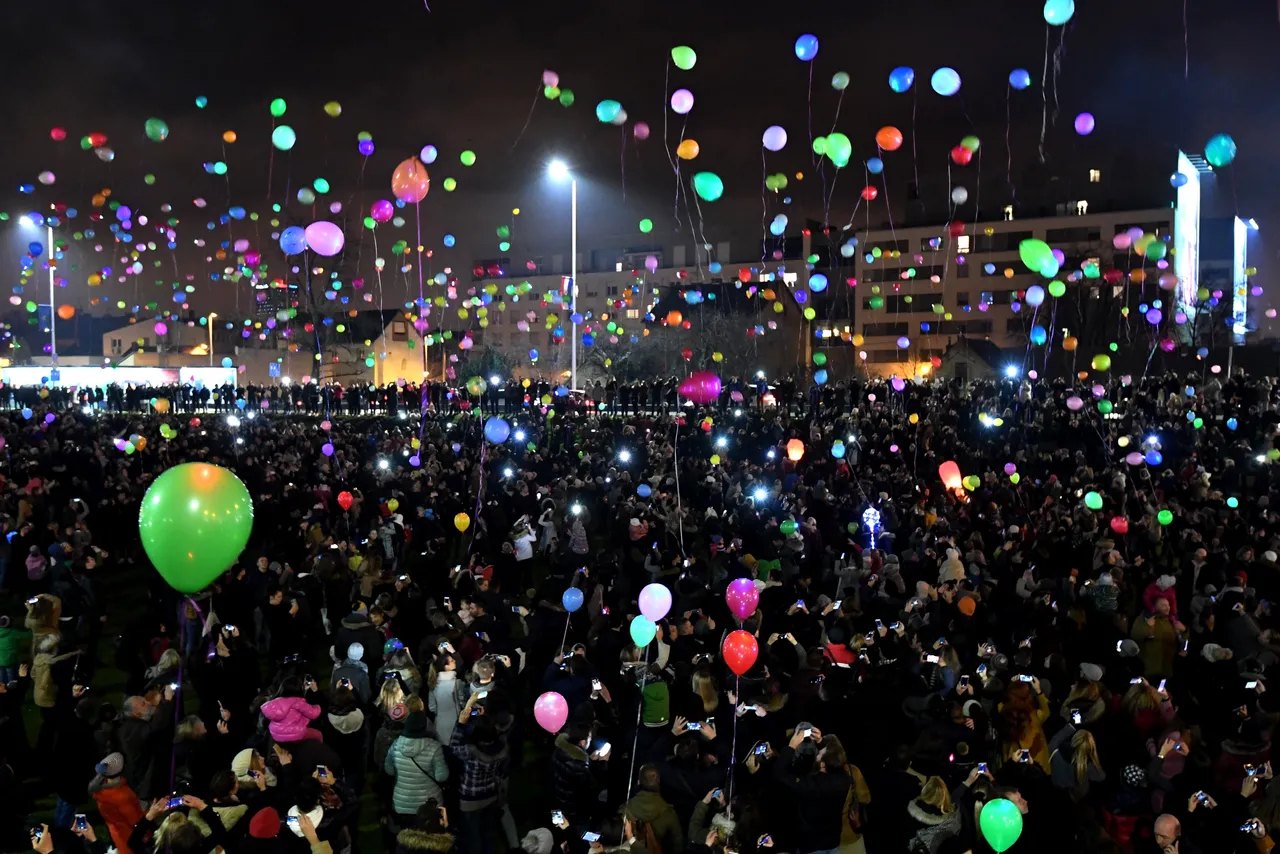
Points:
(428, 154)
(774, 138)
(682, 101)
(382, 210)
(742, 597)
(1084, 124)
(655, 601)
(327, 449)
(325, 238)
(366, 147)
(702, 387)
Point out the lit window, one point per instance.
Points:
(790, 278)
(617, 268)
(962, 244)
(1082, 207)
(1095, 176)
(633, 313)
(1008, 213)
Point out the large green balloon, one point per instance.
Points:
(684, 57)
(1001, 824)
(157, 130)
(839, 149)
(1093, 500)
(1034, 253)
(708, 186)
(195, 522)
(643, 631)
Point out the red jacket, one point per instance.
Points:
(120, 810)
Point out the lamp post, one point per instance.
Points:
(212, 316)
(558, 171)
(28, 223)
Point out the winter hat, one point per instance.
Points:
(967, 605)
(1128, 648)
(415, 725)
(112, 766)
(1213, 652)
(1105, 578)
(1135, 777)
(398, 712)
(657, 704)
(241, 763)
(1091, 672)
(315, 815)
(1269, 556)
(355, 651)
(265, 824)
(538, 841)
(1166, 581)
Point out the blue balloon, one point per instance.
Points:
(1177, 179)
(644, 490)
(1232, 424)
(820, 376)
(1153, 458)
(241, 403)
(902, 78)
(497, 430)
(293, 240)
(807, 47)
(777, 227)
(838, 450)
(226, 362)
(1020, 78)
(1058, 12)
(449, 240)
(572, 599)
(817, 283)
(1038, 335)
(945, 81)
(875, 165)
(26, 412)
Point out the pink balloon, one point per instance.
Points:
(550, 78)
(325, 238)
(161, 329)
(702, 387)
(655, 601)
(1074, 403)
(641, 130)
(382, 210)
(551, 711)
(743, 597)
(682, 101)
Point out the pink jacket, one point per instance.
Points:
(1153, 592)
(289, 717)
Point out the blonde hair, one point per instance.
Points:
(704, 685)
(1084, 752)
(935, 794)
(390, 695)
(1140, 697)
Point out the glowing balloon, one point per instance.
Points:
(462, 521)
(889, 138)
(740, 651)
(410, 182)
(325, 238)
(551, 711)
(194, 523)
(774, 138)
(1220, 150)
(945, 81)
(702, 388)
(1000, 820)
(283, 137)
(902, 78)
(643, 631)
(687, 149)
(682, 101)
(684, 57)
(655, 601)
(1020, 78)
(293, 240)
(156, 130)
(708, 186)
(571, 599)
(1084, 124)
(497, 430)
(807, 47)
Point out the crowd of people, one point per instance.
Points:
(1085, 628)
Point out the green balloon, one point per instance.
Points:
(643, 631)
(788, 527)
(840, 81)
(1034, 253)
(566, 97)
(1057, 289)
(684, 57)
(194, 523)
(839, 149)
(1157, 250)
(157, 130)
(819, 145)
(468, 157)
(708, 186)
(283, 137)
(278, 107)
(1165, 517)
(646, 225)
(1105, 407)
(819, 359)
(1001, 824)
(1093, 501)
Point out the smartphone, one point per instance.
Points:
(717, 794)
(896, 625)
(1119, 644)
(81, 822)
(175, 801)
(1249, 826)
(37, 834)
(869, 637)
(693, 725)
(321, 771)
(982, 767)
(761, 749)
(229, 628)
(1137, 680)
(982, 670)
(879, 625)
(1161, 688)
(1186, 644)
(1022, 677)
(799, 603)
(1076, 717)
(292, 821)
(448, 603)
(1024, 642)
(1251, 685)
(1024, 755)
(595, 685)
(344, 682)
(1201, 797)
(515, 609)
(556, 817)
(604, 609)
(835, 606)
(766, 841)
(964, 681)
(932, 659)
(590, 837)
(1250, 770)
(807, 733)
(480, 695)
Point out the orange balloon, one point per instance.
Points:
(66, 312)
(674, 318)
(229, 136)
(688, 149)
(410, 181)
(1070, 343)
(889, 138)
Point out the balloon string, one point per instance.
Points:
(536, 92)
(1044, 93)
(635, 741)
(675, 462)
(733, 749)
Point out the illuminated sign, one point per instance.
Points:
(1186, 235)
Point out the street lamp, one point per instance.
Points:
(26, 222)
(212, 316)
(558, 171)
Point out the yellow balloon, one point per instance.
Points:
(688, 149)
(162, 405)
(717, 357)
(393, 504)
(462, 521)
(857, 340)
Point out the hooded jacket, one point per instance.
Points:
(650, 808)
(932, 826)
(575, 786)
(347, 734)
(419, 766)
(118, 805)
(289, 717)
(413, 841)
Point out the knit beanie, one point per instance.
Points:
(265, 824)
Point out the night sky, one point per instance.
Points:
(464, 75)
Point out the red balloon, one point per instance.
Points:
(869, 192)
(687, 353)
(702, 387)
(956, 229)
(961, 155)
(345, 500)
(1120, 525)
(740, 650)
